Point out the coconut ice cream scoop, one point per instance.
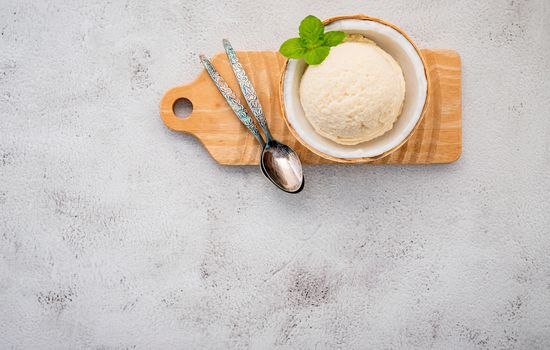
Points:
(355, 95)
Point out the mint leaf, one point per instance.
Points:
(292, 48)
(317, 55)
(311, 29)
(334, 38)
(313, 44)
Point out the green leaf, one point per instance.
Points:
(317, 55)
(292, 48)
(311, 44)
(311, 29)
(334, 38)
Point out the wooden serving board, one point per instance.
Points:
(438, 139)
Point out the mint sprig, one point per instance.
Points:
(314, 44)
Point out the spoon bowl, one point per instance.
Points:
(281, 165)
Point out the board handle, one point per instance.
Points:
(167, 108)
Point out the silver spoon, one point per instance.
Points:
(279, 163)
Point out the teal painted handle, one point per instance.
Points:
(247, 88)
(232, 99)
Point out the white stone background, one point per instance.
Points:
(117, 233)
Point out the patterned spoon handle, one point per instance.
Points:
(232, 99)
(247, 88)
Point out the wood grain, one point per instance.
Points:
(437, 139)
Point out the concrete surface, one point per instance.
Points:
(116, 233)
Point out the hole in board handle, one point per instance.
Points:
(182, 108)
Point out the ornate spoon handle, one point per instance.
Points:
(247, 88)
(232, 99)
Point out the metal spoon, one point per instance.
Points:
(279, 163)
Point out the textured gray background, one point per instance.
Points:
(116, 233)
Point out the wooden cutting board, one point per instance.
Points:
(438, 138)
